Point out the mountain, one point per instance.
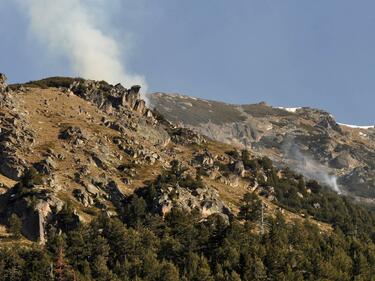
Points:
(94, 185)
(306, 139)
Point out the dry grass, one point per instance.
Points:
(7, 182)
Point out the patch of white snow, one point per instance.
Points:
(357, 127)
(290, 109)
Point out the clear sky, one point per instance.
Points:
(316, 53)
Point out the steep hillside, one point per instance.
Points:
(96, 186)
(94, 144)
(308, 140)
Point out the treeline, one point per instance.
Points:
(181, 247)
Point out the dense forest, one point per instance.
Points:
(252, 245)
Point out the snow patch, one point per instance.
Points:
(357, 127)
(290, 109)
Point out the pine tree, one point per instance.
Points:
(233, 276)
(251, 208)
(100, 269)
(168, 272)
(62, 270)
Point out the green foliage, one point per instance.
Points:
(24, 188)
(224, 168)
(266, 163)
(250, 209)
(177, 176)
(52, 82)
(233, 153)
(142, 245)
(31, 178)
(184, 248)
(66, 219)
(251, 164)
(15, 226)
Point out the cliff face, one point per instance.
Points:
(308, 140)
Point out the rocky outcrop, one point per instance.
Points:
(74, 135)
(342, 161)
(131, 97)
(205, 200)
(205, 159)
(3, 84)
(239, 168)
(15, 137)
(185, 136)
(108, 97)
(35, 211)
(46, 166)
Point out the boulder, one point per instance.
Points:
(83, 197)
(46, 166)
(239, 168)
(204, 159)
(205, 200)
(108, 108)
(12, 168)
(74, 135)
(341, 161)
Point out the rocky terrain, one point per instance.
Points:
(91, 145)
(308, 140)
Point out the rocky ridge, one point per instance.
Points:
(298, 137)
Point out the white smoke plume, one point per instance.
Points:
(68, 27)
(303, 163)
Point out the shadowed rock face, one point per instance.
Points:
(281, 134)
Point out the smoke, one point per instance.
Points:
(304, 164)
(69, 28)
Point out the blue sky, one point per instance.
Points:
(288, 53)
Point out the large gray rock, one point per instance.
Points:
(12, 167)
(239, 168)
(109, 98)
(205, 159)
(205, 200)
(133, 96)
